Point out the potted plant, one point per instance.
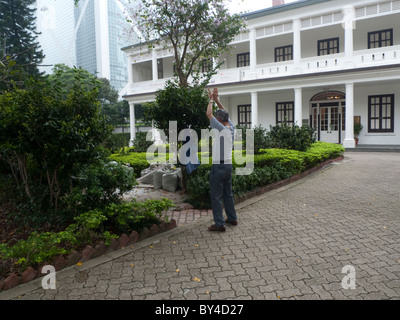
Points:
(357, 129)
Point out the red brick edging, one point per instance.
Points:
(89, 252)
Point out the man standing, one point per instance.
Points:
(221, 170)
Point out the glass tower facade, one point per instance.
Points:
(89, 36)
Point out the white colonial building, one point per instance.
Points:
(326, 63)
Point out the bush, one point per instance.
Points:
(270, 166)
(137, 161)
(291, 137)
(140, 144)
(98, 186)
(261, 138)
(117, 141)
(47, 134)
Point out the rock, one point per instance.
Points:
(1, 284)
(114, 244)
(133, 237)
(172, 224)
(144, 234)
(11, 281)
(28, 275)
(123, 241)
(154, 229)
(163, 227)
(87, 253)
(73, 258)
(99, 249)
(60, 263)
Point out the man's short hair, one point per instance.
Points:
(222, 115)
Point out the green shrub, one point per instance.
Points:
(98, 186)
(39, 247)
(140, 144)
(136, 215)
(116, 141)
(261, 138)
(136, 160)
(270, 166)
(291, 137)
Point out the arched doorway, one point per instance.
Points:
(328, 116)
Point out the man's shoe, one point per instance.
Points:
(216, 228)
(234, 223)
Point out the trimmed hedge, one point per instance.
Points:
(270, 166)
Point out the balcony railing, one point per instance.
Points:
(359, 59)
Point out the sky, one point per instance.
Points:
(238, 6)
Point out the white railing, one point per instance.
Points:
(322, 63)
(378, 56)
(359, 59)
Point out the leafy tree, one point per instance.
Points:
(18, 34)
(198, 31)
(46, 138)
(186, 105)
(116, 111)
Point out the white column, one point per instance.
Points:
(130, 69)
(253, 49)
(298, 106)
(349, 26)
(102, 39)
(132, 121)
(155, 65)
(349, 141)
(297, 45)
(254, 109)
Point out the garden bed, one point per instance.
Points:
(25, 252)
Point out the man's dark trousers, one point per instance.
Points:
(221, 190)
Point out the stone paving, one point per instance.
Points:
(291, 243)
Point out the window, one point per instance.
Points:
(284, 53)
(328, 46)
(383, 38)
(243, 59)
(284, 112)
(244, 115)
(206, 65)
(381, 113)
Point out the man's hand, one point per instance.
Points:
(215, 94)
(215, 97)
(210, 95)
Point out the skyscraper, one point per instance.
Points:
(89, 36)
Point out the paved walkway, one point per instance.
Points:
(291, 243)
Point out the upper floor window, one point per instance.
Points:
(244, 115)
(381, 113)
(206, 65)
(328, 46)
(284, 53)
(382, 38)
(243, 59)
